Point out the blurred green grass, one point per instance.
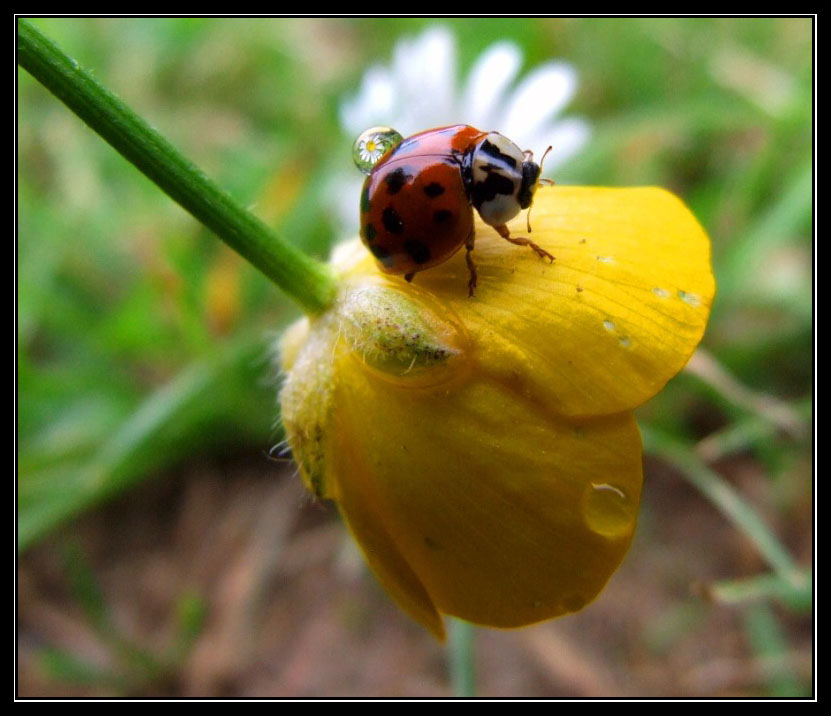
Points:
(141, 341)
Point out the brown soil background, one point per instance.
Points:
(292, 612)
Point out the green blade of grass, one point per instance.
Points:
(765, 587)
(770, 645)
(172, 420)
(728, 501)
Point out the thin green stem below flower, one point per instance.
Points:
(460, 652)
(306, 280)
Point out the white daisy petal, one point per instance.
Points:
(566, 138)
(426, 71)
(417, 91)
(489, 78)
(540, 96)
(373, 103)
(344, 190)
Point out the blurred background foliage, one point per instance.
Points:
(143, 342)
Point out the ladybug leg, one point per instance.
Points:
(520, 241)
(471, 284)
(409, 276)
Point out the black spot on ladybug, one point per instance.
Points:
(382, 254)
(365, 200)
(396, 180)
(392, 221)
(418, 250)
(434, 189)
(369, 232)
(441, 215)
(488, 190)
(493, 151)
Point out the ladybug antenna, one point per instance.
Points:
(548, 182)
(544, 155)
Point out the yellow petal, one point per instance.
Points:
(500, 511)
(482, 450)
(603, 328)
(364, 516)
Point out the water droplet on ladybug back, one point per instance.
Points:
(373, 144)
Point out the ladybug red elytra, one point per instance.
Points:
(417, 202)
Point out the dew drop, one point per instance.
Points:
(608, 325)
(608, 510)
(373, 144)
(625, 341)
(689, 298)
(606, 259)
(660, 292)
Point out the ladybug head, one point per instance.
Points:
(530, 179)
(503, 179)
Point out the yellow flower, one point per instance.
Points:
(483, 451)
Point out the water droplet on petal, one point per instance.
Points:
(608, 510)
(689, 298)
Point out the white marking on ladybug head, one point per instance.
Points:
(496, 179)
(503, 179)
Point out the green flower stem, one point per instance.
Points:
(306, 280)
(462, 672)
(726, 499)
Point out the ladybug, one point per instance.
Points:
(417, 202)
